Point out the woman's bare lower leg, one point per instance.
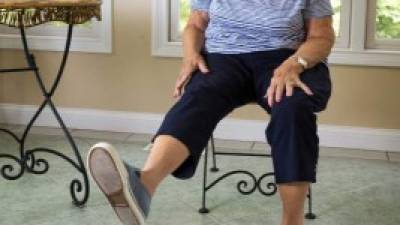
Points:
(166, 155)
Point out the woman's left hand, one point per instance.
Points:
(286, 77)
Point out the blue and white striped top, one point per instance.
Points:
(240, 26)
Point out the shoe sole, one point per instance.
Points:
(118, 194)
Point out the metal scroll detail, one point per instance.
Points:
(41, 166)
(249, 186)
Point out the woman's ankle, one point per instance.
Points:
(148, 182)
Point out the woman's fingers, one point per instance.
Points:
(188, 67)
(180, 83)
(304, 87)
(280, 87)
(177, 91)
(203, 66)
(275, 91)
(270, 94)
(289, 89)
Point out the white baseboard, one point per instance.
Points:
(231, 129)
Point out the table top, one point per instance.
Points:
(46, 3)
(27, 13)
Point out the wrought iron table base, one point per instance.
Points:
(27, 161)
(243, 186)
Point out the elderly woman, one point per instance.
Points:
(272, 52)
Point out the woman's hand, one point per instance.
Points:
(193, 43)
(318, 45)
(286, 77)
(189, 65)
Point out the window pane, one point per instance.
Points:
(337, 7)
(184, 11)
(388, 19)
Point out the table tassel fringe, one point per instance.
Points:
(37, 16)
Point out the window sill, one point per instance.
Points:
(365, 58)
(339, 56)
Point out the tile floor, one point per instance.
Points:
(355, 187)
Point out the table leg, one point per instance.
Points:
(27, 160)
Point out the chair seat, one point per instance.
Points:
(22, 4)
(27, 13)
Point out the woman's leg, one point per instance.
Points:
(292, 134)
(179, 142)
(293, 196)
(166, 155)
(188, 125)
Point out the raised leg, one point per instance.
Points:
(166, 156)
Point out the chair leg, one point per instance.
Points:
(203, 208)
(310, 215)
(214, 168)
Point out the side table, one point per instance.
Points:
(22, 14)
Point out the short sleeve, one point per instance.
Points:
(318, 9)
(202, 5)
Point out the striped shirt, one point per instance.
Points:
(240, 26)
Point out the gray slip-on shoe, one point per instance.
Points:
(120, 183)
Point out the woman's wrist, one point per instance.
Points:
(192, 54)
(295, 65)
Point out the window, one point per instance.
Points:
(367, 31)
(384, 17)
(180, 10)
(342, 9)
(94, 36)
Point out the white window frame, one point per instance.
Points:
(343, 40)
(162, 44)
(95, 39)
(175, 34)
(350, 49)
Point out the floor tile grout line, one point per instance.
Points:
(218, 221)
(207, 215)
(252, 146)
(128, 137)
(388, 156)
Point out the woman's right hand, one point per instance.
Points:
(189, 65)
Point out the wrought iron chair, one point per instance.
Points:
(271, 186)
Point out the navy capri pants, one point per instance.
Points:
(239, 79)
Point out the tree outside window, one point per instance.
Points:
(388, 19)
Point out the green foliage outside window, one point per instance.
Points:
(337, 7)
(185, 11)
(388, 19)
